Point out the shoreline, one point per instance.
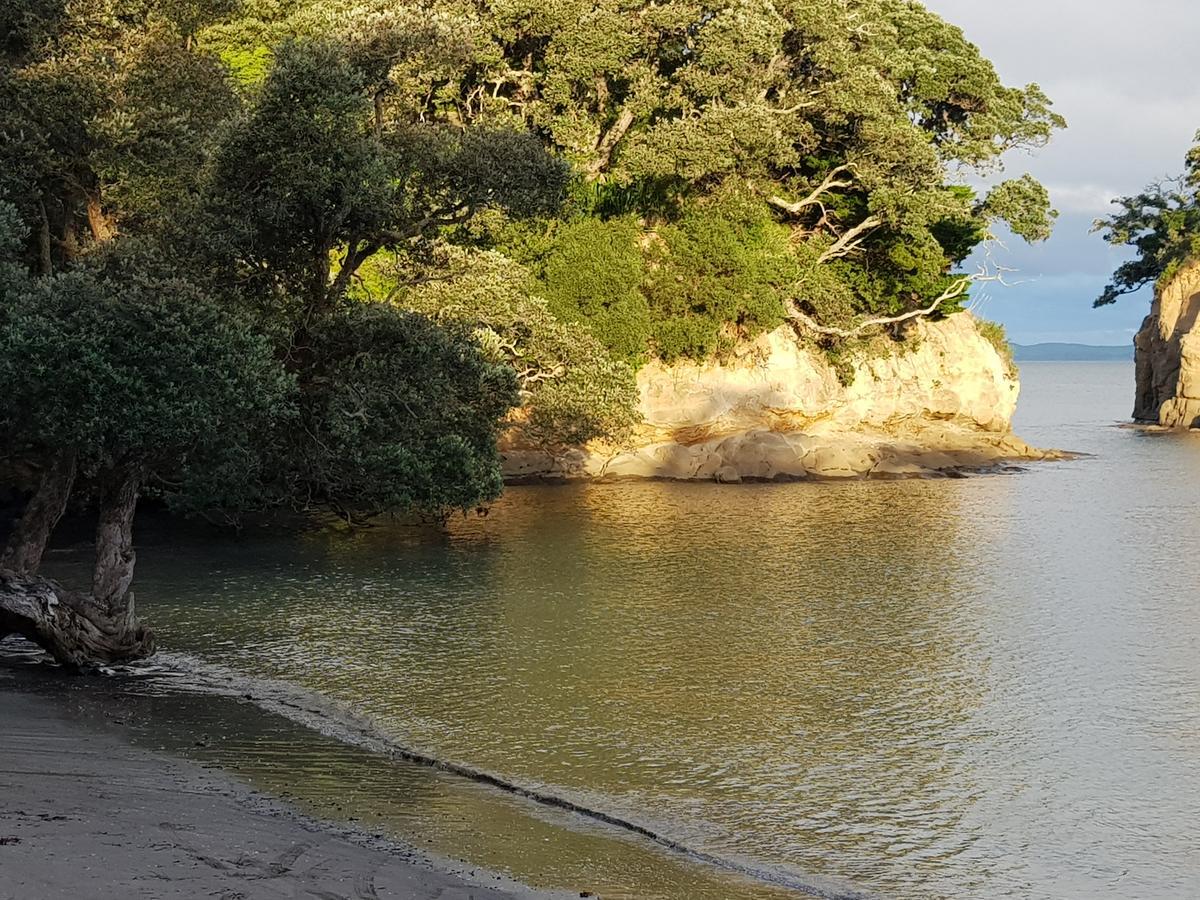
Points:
(760, 455)
(78, 803)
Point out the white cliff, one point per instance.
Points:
(942, 402)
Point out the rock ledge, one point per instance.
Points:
(778, 411)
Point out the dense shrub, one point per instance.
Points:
(571, 388)
(720, 272)
(592, 273)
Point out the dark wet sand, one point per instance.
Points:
(85, 815)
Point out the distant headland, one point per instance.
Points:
(1057, 352)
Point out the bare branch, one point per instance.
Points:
(955, 291)
(831, 183)
(851, 240)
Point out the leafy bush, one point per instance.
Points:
(687, 287)
(592, 273)
(141, 371)
(571, 387)
(721, 271)
(398, 413)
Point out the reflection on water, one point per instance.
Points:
(951, 688)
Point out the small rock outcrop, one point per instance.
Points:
(1167, 349)
(943, 402)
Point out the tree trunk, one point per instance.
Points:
(69, 626)
(28, 541)
(101, 225)
(85, 630)
(115, 557)
(45, 246)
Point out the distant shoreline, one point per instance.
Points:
(1063, 352)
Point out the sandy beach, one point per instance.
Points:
(84, 814)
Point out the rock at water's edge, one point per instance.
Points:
(1167, 350)
(943, 402)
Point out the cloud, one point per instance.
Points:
(1127, 78)
(1091, 199)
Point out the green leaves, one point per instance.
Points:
(593, 274)
(1024, 205)
(1162, 224)
(138, 370)
(397, 414)
(572, 390)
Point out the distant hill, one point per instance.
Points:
(1070, 352)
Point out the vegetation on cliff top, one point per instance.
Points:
(262, 253)
(1161, 224)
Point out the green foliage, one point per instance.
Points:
(398, 414)
(144, 371)
(722, 271)
(1024, 205)
(107, 115)
(137, 157)
(572, 390)
(592, 273)
(994, 334)
(1161, 224)
(718, 271)
(311, 170)
(12, 234)
(660, 104)
(654, 99)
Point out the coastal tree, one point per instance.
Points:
(211, 357)
(106, 112)
(849, 133)
(1161, 224)
(113, 387)
(571, 389)
(850, 121)
(311, 182)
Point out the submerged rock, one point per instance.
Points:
(942, 402)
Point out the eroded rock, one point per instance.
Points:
(776, 410)
(1168, 355)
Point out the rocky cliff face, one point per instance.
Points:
(778, 410)
(1168, 354)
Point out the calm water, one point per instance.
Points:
(986, 687)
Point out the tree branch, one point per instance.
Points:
(31, 534)
(608, 142)
(851, 240)
(953, 292)
(831, 183)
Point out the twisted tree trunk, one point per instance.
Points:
(32, 533)
(68, 625)
(77, 629)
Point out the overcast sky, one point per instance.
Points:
(1126, 74)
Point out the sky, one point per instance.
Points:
(1126, 75)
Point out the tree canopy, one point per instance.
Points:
(849, 122)
(331, 253)
(1161, 224)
